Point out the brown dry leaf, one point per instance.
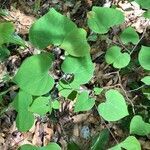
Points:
(36, 137)
(80, 118)
(21, 21)
(133, 15)
(89, 2)
(48, 134)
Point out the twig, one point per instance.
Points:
(141, 37)
(125, 92)
(110, 131)
(136, 89)
(103, 121)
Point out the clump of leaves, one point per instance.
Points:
(36, 83)
(54, 28)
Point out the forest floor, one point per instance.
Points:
(64, 126)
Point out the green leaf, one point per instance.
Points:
(81, 68)
(66, 89)
(22, 101)
(51, 28)
(6, 30)
(75, 43)
(144, 57)
(97, 90)
(4, 53)
(33, 77)
(83, 102)
(117, 58)
(147, 14)
(54, 28)
(129, 35)
(144, 3)
(114, 108)
(28, 147)
(56, 104)
(50, 146)
(99, 142)
(138, 126)
(130, 143)
(15, 39)
(100, 19)
(24, 120)
(146, 80)
(41, 105)
(72, 146)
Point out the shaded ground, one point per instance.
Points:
(64, 126)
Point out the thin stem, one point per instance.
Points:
(136, 89)
(103, 121)
(125, 92)
(140, 38)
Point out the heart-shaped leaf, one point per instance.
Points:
(41, 105)
(116, 57)
(130, 143)
(51, 28)
(114, 108)
(100, 19)
(144, 3)
(83, 102)
(146, 80)
(54, 28)
(33, 77)
(82, 69)
(129, 35)
(138, 126)
(144, 57)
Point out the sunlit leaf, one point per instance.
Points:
(100, 19)
(28, 147)
(54, 28)
(50, 146)
(146, 80)
(139, 127)
(144, 3)
(75, 43)
(82, 68)
(117, 58)
(130, 143)
(129, 35)
(144, 57)
(114, 108)
(33, 77)
(83, 102)
(41, 105)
